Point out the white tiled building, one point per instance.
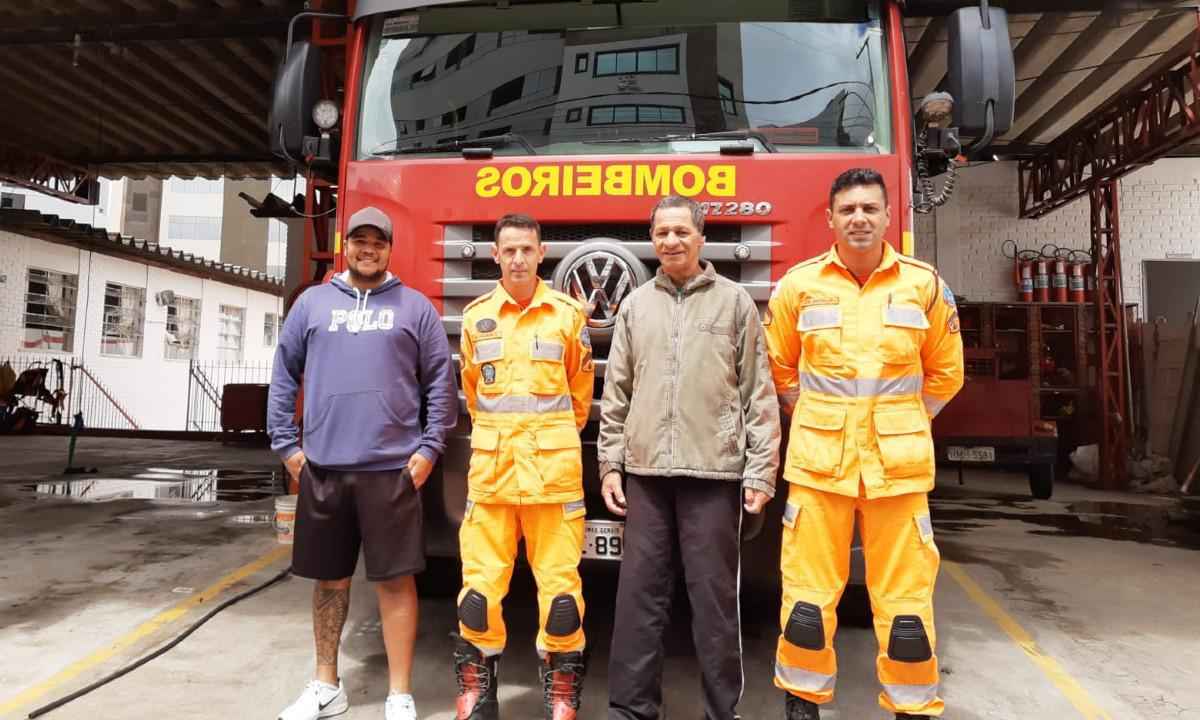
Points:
(140, 319)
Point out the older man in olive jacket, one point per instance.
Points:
(689, 437)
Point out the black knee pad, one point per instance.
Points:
(805, 628)
(908, 642)
(472, 611)
(563, 618)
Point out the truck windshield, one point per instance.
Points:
(559, 85)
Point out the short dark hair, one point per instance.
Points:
(857, 177)
(519, 221)
(678, 201)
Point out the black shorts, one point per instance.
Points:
(338, 512)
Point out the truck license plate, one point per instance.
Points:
(971, 454)
(602, 539)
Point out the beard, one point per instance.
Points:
(377, 276)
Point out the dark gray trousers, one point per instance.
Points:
(702, 518)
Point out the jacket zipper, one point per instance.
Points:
(675, 363)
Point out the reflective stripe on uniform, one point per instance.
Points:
(911, 695)
(933, 405)
(905, 316)
(862, 387)
(790, 396)
(795, 678)
(488, 350)
(542, 350)
(527, 404)
(821, 316)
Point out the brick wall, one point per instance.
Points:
(1160, 213)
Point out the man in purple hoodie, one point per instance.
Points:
(379, 398)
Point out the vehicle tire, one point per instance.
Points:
(854, 610)
(1041, 481)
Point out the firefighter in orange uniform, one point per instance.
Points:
(865, 349)
(527, 374)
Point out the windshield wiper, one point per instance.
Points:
(719, 135)
(494, 141)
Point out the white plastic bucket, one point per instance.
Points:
(285, 518)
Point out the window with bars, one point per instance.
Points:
(182, 338)
(270, 329)
(124, 320)
(50, 310)
(231, 333)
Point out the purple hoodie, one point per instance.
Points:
(377, 373)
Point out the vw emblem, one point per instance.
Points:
(600, 276)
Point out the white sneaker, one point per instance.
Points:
(319, 700)
(400, 707)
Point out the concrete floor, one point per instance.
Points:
(1100, 588)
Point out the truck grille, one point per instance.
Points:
(739, 252)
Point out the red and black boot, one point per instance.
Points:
(476, 675)
(562, 684)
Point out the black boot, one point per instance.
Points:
(562, 684)
(800, 709)
(477, 680)
(906, 716)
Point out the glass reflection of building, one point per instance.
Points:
(803, 84)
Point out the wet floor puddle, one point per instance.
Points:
(1174, 524)
(197, 494)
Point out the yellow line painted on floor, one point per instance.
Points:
(1066, 684)
(142, 631)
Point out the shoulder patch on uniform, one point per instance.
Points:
(768, 318)
(485, 325)
(585, 338)
(952, 324)
(948, 294)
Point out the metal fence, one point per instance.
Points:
(67, 388)
(206, 387)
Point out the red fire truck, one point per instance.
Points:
(582, 114)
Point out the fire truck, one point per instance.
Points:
(447, 115)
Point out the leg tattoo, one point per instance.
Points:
(330, 607)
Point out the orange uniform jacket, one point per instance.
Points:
(528, 376)
(866, 369)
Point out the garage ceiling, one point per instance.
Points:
(143, 87)
(135, 88)
(1067, 63)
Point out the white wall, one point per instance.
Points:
(153, 389)
(1160, 213)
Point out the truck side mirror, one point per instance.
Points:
(295, 92)
(982, 74)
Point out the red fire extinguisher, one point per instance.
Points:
(1022, 269)
(1078, 262)
(1041, 279)
(1058, 278)
(1089, 280)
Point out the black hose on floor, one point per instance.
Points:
(147, 658)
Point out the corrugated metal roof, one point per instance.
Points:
(144, 87)
(85, 237)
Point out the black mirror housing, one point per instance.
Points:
(296, 89)
(981, 70)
